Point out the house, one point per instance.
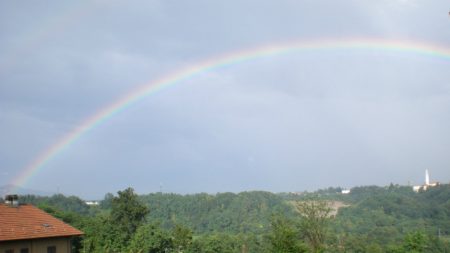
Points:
(28, 229)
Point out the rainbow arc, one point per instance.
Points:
(213, 64)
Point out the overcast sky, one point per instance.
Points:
(294, 122)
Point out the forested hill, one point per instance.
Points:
(251, 211)
(382, 216)
(222, 212)
(386, 214)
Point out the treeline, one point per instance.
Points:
(389, 212)
(59, 201)
(246, 212)
(371, 219)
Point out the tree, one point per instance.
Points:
(150, 238)
(106, 203)
(182, 238)
(415, 242)
(96, 234)
(315, 218)
(284, 237)
(127, 214)
(374, 248)
(127, 211)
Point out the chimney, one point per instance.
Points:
(12, 200)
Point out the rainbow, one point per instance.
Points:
(212, 64)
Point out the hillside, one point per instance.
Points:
(381, 215)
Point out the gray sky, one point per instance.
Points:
(300, 121)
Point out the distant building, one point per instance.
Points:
(426, 185)
(345, 191)
(92, 203)
(28, 229)
(297, 193)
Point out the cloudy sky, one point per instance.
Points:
(298, 121)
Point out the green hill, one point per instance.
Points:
(384, 216)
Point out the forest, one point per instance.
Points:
(372, 219)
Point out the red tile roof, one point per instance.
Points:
(29, 222)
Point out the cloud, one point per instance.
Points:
(279, 123)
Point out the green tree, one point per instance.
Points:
(215, 243)
(106, 203)
(96, 234)
(127, 212)
(415, 242)
(284, 238)
(315, 216)
(182, 238)
(150, 238)
(374, 248)
(127, 215)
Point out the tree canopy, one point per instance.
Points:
(369, 219)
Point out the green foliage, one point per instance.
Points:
(95, 234)
(377, 219)
(246, 212)
(127, 212)
(181, 238)
(384, 215)
(106, 203)
(315, 216)
(284, 237)
(150, 238)
(58, 201)
(215, 243)
(415, 242)
(374, 248)
(113, 231)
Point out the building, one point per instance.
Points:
(426, 185)
(92, 203)
(345, 191)
(28, 229)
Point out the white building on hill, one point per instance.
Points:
(345, 191)
(427, 184)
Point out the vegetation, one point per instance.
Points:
(314, 223)
(389, 219)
